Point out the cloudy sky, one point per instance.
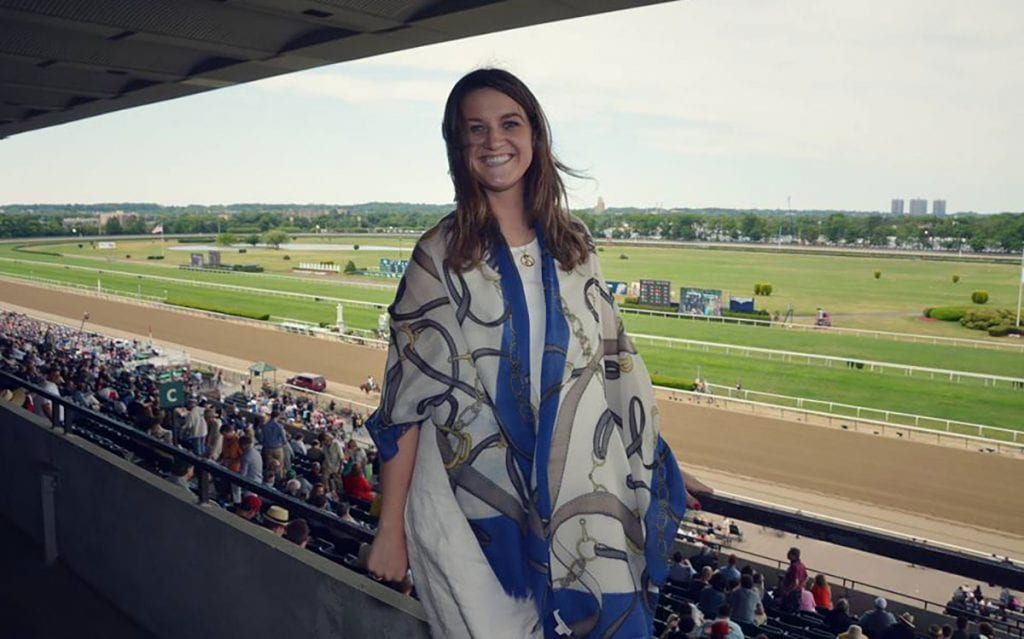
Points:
(733, 103)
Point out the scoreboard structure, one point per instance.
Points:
(655, 292)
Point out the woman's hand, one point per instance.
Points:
(389, 558)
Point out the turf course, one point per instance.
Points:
(831, 281)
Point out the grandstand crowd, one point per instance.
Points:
(319, 455)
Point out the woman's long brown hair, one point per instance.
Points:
(475, 230)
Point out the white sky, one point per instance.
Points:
(733, 103)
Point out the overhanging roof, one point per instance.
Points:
(64, 60)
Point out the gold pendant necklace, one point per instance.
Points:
(527, 260)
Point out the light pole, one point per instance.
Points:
(1020, 285)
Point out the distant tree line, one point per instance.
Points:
(1003, 232)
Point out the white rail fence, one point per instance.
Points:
(907, 370)
(916, 338)
(892, 417)
(844, 422)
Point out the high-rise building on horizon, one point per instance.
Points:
(897, 206)
(939, 208)
(918, 206)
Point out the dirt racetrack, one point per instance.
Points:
(971, 488)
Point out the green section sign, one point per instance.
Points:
(172, 394)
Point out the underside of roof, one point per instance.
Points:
(64, 60)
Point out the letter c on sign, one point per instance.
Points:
(172, 395)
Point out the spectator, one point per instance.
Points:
(744, 600)
(838, 619)
(298, 446)
(984, 631)
(273, 440)
(822, 592)
(935, 632)
(214, 438)
(947, 631)
(334, 457)
(728, 628)
(711, 598)
(250, 507)
(796, 574)
(759, 584)
(760, 616)
(902, 629)
(252, 463)
(231, 448)
(356, 485)
(44, 406)
(672, 628)
(875, 622)
(729, 570)
(297, 532)
(275, 520)
(181, 475)
(721, 630)
(194, 430)
(680, 569)
(853, 632)
(293, 488)
(961, 628)
(320, 501)
(807, 603)
(315, 452)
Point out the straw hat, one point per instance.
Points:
(906, 618)
(277, 515)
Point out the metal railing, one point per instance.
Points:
(914, 338)
(82, 419)
(844, 422)
(907, 370)
(877, 414)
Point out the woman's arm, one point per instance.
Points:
(389, 559)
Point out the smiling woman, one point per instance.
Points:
(524, 475)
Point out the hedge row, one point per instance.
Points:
(759, 314)
(946, 313)
(219, 309)
(673, 382)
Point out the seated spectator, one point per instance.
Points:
(853, 632)
(250, 507)
(875, 622)
(744, 600)
(947, 631)
(297, 532)
(838, 619)
(320, 501)
(727, 628)
(760, 616)
(729, 570)
(984, 631)
(356, 485)
(935, 632)
(902, 629)
(711, 598)
(807, 603)
(680, 569)
(961, 628)
(822, 592)
(275, 519)
(181, 475)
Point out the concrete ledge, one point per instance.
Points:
(178, 568)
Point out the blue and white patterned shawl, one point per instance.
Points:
(575, 503)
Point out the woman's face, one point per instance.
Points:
(499, 140)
